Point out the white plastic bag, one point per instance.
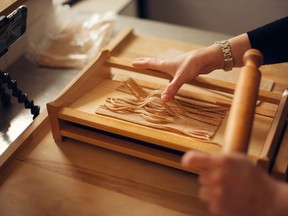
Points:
(70, 39)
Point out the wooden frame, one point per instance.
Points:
(68, 120)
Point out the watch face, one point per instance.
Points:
(12, 27)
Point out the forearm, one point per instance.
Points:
(239, 45)
(272, 41)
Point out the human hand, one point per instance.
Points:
(184, 67)
(232, 185)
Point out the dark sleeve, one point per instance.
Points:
(272, 41)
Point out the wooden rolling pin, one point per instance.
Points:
(241, 116)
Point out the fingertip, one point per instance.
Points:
(168, 94)
(165, 98)
(187, 158)
(196, 160)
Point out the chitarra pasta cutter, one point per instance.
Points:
(72, 114)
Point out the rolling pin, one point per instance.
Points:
(240, 120)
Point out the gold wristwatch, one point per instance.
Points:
(227, 54)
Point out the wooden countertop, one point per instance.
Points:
(73, 178)
(7, 6)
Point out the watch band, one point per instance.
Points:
(227, 54)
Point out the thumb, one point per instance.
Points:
(197, 160)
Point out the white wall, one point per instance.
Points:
(225, 16)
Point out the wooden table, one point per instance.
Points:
(7, 6)
(73, 178)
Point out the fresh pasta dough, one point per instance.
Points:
(193, 118)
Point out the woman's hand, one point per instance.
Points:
(187, 66)
(232, 185)
(184, 67)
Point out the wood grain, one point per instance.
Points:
(276, 131)
(120, 127)
(72, 177)
(280, 168)
(7, 6)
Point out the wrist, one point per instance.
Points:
(214, 58)
(227, 54)
(208, 59)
